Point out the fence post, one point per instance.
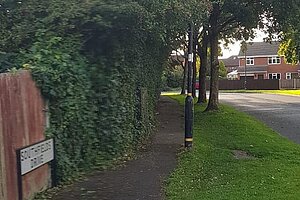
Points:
(280, 84)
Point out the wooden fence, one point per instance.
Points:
(257, 84)
(22, 122)
(250, 84)
(290, 84)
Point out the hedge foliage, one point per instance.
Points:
(99, 65)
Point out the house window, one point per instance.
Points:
(261, 76)
(275, 76)
(274, 60)
(250, 61)
(291, 75)
(295, 75)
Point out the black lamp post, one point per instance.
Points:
(189, 104)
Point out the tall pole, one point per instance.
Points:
(189, 104)
(245, 83)
(244, 50)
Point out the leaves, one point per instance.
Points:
(99, 64)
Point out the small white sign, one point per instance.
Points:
(191, 57)
(34, 156)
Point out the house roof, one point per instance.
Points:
(261, 49)
(232, 61)
(176, 59)
(252, 69)
(235, 72)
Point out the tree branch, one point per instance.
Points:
(226, 22)
(236, 25)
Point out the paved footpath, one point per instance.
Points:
(140, 179)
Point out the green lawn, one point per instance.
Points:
(286, 92)
(211, 172)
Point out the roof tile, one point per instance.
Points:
(261, 48)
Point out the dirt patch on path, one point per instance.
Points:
(140, 179)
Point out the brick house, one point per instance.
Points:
(231, 63)
(263, 62)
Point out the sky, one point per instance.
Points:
(234, 49)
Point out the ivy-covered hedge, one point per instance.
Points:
(100, 110)
(102, 93)
(99, 65)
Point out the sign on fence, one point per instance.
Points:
(32, 157)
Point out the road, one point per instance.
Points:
(280, 112)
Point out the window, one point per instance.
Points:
(295, 75)
(274, 60)
(261, 76)
(291, 75)
(250, 61)
(275, 76)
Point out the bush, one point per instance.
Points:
(172, 77)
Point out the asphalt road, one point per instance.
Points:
(280, 112)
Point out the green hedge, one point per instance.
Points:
(99, 111)
(99, 65)
(102, 93)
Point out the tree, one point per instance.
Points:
(222, 70)
(202, 52)
(184, 79)
(231, 19)
(285, 19)
(214, 62)
(195, 45)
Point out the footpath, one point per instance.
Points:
(142, 178)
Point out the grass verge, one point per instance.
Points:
(267, 167)
(284, 92)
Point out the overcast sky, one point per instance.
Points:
(234, 49)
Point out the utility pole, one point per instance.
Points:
(245, 83)
(189, 104)
(244, 50)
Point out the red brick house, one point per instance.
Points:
(263, 62)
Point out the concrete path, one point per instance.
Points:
(140, 179)
(280, 112)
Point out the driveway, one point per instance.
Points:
(280, 112)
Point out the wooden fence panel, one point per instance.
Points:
(286, 84)
(231, 84)
(250, 85)
(297, 83)
(290, 84)
(22, 122)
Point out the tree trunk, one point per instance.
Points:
(213, 103)
(202, 51)
(194, 64)
(184, 80)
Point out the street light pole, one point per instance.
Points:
(245, 84)
(189, 104)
